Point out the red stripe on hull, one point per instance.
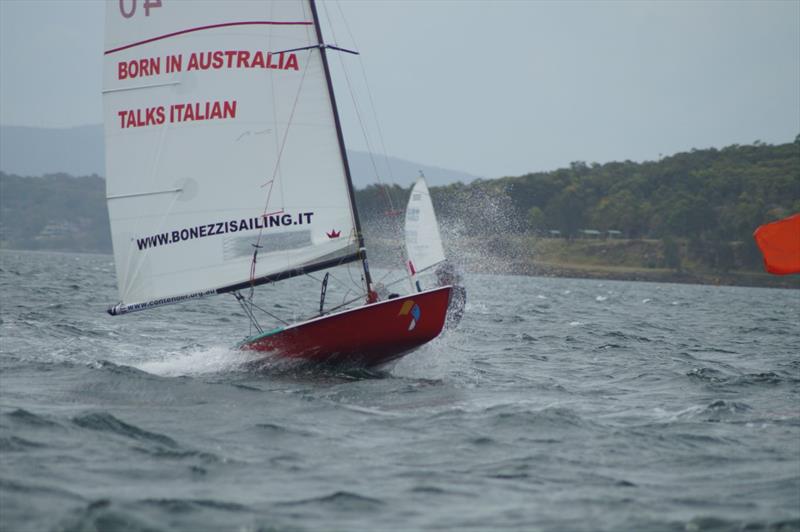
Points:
(369, 336)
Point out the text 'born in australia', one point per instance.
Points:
(215, 60)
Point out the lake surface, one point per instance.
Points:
(557, 404)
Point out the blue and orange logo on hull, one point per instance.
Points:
(409, 307)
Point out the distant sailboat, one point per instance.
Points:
(423, 240)
(425, 252)
(226, 169)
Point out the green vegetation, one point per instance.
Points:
(686, 217)
(701, 207)
(54, 212)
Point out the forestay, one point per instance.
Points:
(218, 145)
(423, 242)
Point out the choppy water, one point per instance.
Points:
(557, 405)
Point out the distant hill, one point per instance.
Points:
(34, 151)
(400, 171)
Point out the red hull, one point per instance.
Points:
(367, 336)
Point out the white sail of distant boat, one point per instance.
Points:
(423, 241)
(425, 252)
(226, 166)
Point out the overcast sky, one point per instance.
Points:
(491, 88)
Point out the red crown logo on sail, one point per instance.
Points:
(333, 233)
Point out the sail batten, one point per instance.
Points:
(230, 146)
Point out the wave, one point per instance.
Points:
(718, 410)
(15, 444)
(119, 369)
(179, 454)
(307, 371)
(69, 330)
(428, 490)
(187, 505)
(105, 422)
(719, 524)
(273, 430)
(766, 377)
(11, 486)
(511, 416)
(709, 375)
(340, 500)
(102, 515)
(717, 377)
(673, 435)
(623, 336)
(723, 411)
(25, 417)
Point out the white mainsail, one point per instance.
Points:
(423, 242)
(218, 145)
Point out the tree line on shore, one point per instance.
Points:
(709, 201)
(703, 203)
(56, 212)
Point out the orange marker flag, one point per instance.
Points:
(779, 243)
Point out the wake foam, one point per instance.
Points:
(200, 361)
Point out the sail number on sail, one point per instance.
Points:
(129, 10)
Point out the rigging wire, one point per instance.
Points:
(248, 310)
(369, 92)
(275, 170)
(278, 148)
(276, 175)
(358, 115)
(268, 313)
(392, 221)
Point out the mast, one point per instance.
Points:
(361, 249)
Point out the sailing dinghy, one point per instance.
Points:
(226, 169)
(425, 252)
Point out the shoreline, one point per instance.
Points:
(573, 271)
(656, 275)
